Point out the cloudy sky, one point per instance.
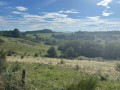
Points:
(60, 15)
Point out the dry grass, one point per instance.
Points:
(104, 68)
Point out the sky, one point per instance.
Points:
(60, 15)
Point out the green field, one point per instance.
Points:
(56, 77)
(21, 46)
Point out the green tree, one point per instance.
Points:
(112, 51)
(70, 53)
(52, 52)
(1, 41)
(16, 33)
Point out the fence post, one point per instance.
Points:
(23, 78)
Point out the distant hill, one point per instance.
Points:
(100, 36)
(104, 36)
(40, 31)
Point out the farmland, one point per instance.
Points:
(55, 73)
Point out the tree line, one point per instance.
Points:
(12, 33)
(92, 36)
(75, 48)
(39, 31)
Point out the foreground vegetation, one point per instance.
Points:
(52, 74)
(55, 77)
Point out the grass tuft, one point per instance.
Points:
(85, 83)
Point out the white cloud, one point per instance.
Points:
(96, 18)
(33, 19)
(105, 13)
(21, 8)
(96, 21)
(2, 20)
(69, 11)
(16, 12)
(65, 20)
(57, 21)
(2, 3)
(104, 3)
(54, 15)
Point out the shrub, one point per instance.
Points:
(118, 67)
(25, 53)
(36, 55)
(102, 78)
(10, 52)
(2, 61)
(10, 81)
(62, 61)
(15, 67)
(52, 52)
(22, 57)
(77, 67)
(85, 83)
(1, 41)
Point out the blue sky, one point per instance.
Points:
(60, 15)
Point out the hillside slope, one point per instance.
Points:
(21, 46)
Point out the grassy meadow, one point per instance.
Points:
(44, 73)
(57, 74)
(105, 68)
(22, 46)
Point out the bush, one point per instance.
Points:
(102, 78)
(77, 67)
(85, 83)
(2, 61)
(10, 52)
(52, 52)
(118, 67)
(1, 41)
(36, 55)
(10, 81)
(8, 78)
(62, 61)
(15, 67)
(22, 57)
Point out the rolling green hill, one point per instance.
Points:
(21, 46)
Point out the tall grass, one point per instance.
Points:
(85, 83)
